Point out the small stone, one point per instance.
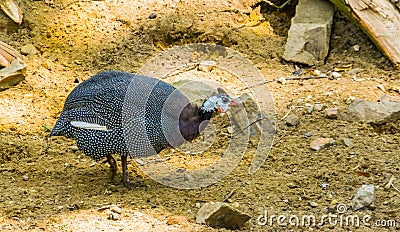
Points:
(176, 220)
(46, 65)
(336, 74)
(317, 72)
(320, 143)
(116, 209)
(152, 16)
(114, 216)
(235, 204)
(319, 106)
(292, 120)
(207, 65)
(74, 148)
(313, 204)
(221, 215)
(354, 71)
(350, 100)
(140, 162)
(66, 165)
(230, 130)
(381, 87)
(332, 113)
(29, 49)
(324, 185)
(137, 214)
(292, 185)
(281, 80)
(198, 205)
(308, 134)
(364, 197)
(347, 142)
(310, 109)
(356, 48)
(25, 177)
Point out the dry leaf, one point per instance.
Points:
(8, 54)
(12, 10)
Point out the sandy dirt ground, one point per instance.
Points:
(58, 188)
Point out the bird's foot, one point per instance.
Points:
(113, 166)
(129, 184)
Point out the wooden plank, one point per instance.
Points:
(380, 19)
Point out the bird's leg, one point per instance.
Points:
(113, 166)
(125, 178)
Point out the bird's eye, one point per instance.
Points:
(225, 99)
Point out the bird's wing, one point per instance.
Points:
(97, 101)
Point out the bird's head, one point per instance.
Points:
(219, 102)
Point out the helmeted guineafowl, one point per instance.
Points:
(132, 115)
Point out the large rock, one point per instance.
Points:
(12, 74)
(364, 197)
(309, 34)
(371, 112)
(221, 215)
(194, 90)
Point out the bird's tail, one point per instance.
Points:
(61, 128)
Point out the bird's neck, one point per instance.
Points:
(191, 128)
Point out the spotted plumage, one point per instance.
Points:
(132, 115)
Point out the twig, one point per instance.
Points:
(290, 110)
(276, 6)
(229, 195)
(390, 184)
(286, 79)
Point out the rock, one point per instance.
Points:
(25, 177)
(292, 185)
(11, 75)
(308, 134)
(138, 214)
(176, 220)
(221, 215)
(292, 120)
(29, 49)
(347, 142)
(152, 16)
(356, 48)
(8, 54)
(281, 80)
(309, 34)
(388, 98)
(371, 112)
(319, 106)
(332, 113)
(313, 204)
(116, 209)
(114, 216)
(320, 143)
(194, 90)
(336, 74)
(252, 113)
(364, 197)
(207, 65)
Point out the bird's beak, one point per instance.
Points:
(234, 103)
